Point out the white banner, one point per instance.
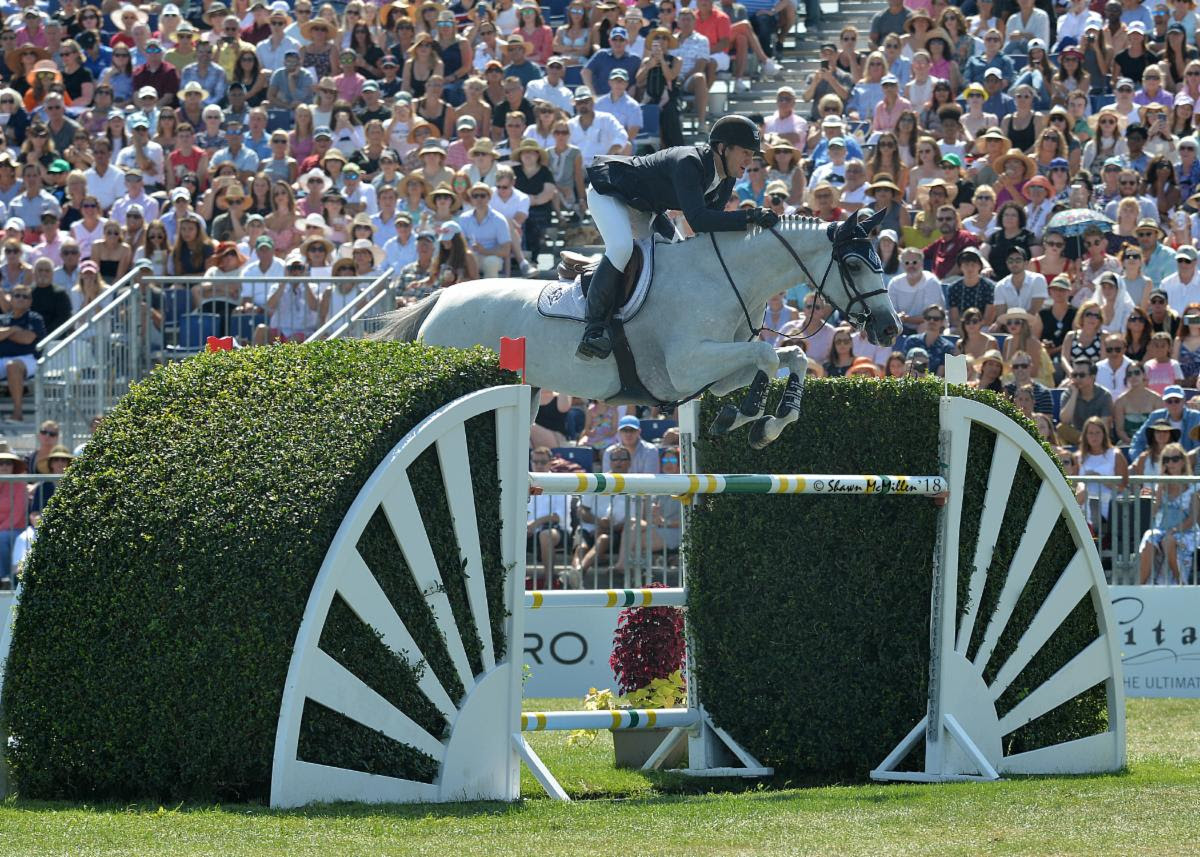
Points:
(567, 651)
(1160, 651)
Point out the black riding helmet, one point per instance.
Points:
(734, 130)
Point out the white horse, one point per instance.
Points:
(698, 327)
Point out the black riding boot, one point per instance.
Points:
(602, 297)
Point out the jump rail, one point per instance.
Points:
(642, 484)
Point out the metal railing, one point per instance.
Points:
(352, 320)
(625, 549)
(1120, 512)
(89, 362)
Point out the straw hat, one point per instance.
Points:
(306, 29)
(883, 181)
(779, 144)
(309, 242)
(1018, 313)
(990, 354)
(1153, 106)
(660, 32)
(60, 451)
(377, 253)
(441, 190)
(414, 177)
(194, 86)
(6, 454)
(422, 123)
(938, 33)
(483, 146)
(516, 39)
(914, 16)
(1163, 425)
(823, 186)
(1018, 155)
(420, 39)
(531, 145)
(362, 219)
(13, 57)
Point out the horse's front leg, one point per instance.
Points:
(727, 366)
(767, 429)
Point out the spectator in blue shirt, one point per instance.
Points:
(519, 65)
(935, 344)
(1187, 420)
(976, 68)
(486, 231)
(998, 101)
(600, 66)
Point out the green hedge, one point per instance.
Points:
(174, 563)
(810, 614)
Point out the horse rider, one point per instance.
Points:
(629, 195)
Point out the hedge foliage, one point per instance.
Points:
(173, 566)
(811, 614)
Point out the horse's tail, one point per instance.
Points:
(403, 325)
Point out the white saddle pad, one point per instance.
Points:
(564, 299)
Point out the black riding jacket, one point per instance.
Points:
(674, 178)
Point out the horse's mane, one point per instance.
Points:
(787, 223)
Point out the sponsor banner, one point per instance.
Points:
(567, 651)
(1157, 635)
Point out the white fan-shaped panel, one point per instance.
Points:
(962, 680)
(473, 756)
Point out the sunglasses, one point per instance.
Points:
(935, 318)
(1022, 365)
(1092, 315)
(1156, 301)
(1131, 256)
(1172, 459)
(1079, 374)
(1058, 245)
(1114, 350)
(1135, 373)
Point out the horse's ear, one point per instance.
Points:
(868, 224)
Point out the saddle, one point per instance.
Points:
(572, 265)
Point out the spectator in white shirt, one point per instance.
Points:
(292, 308)
(551, 87)
(617, 102)
(1183, 287)
(104, 181)
(1021, 289)
(595, 133)
(135, 194)
(1111, 371)
(402, 249)
(264, 264)
(697, 71)
(914, 290)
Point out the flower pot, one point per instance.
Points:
(632, 747)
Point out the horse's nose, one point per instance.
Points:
(888, 334)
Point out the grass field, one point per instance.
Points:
(1151, 809)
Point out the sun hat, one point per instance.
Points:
(864, 366)
(991, 354)
(531, 145)
(1018, 314)
(6, 454)
(315, 174)
(1015, 154)
(883, 181)
(224, 249)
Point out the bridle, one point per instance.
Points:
(846, 245)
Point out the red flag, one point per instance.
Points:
(221, 343)
(512, 355)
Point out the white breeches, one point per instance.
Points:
(619, 226)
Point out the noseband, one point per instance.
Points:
(845, 246)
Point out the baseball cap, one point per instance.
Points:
(629, 421)
(323, 131)
(1174, 391)
(993, 72)
(1187, 251)
(838, 141)
(917, 354)
(618, 33)
(619, 74)
(1124, 83)
(139, 120)
(264, 241)
(583, 93)
(370, 86)
(465, 122)
(426, 235)
(833, 122)
(970, 253)
(889, 80)
(180, 193)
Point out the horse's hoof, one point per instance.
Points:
(724, 421)
(760, 438)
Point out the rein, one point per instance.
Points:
(841, 249)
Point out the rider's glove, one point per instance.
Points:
(763, 217)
